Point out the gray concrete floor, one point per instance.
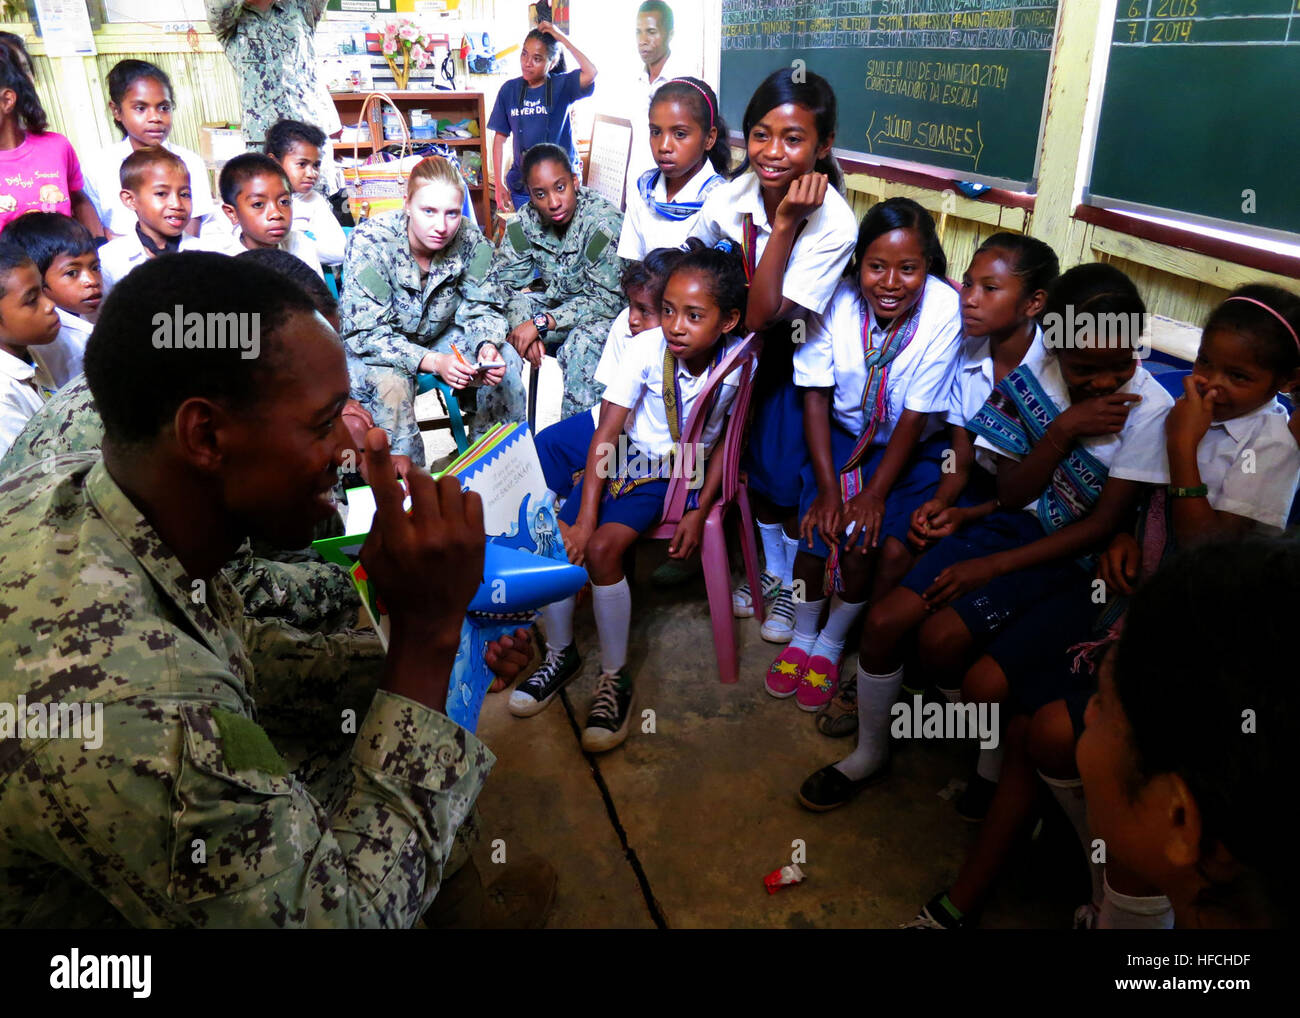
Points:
(682, 825)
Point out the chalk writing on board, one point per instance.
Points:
(1207, 23)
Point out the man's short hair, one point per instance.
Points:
(137, 165)
(243, 168)
(662, 9)
(138, 383)
(46, 235)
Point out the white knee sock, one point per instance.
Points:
(806, 616)
(1125, 912)
(876, 695)
(557, 618)
(791, 549)
(989, 766)
(830, 642)
(612, 606)
(1069, 793)
(773, 547)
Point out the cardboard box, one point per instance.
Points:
(219, 143)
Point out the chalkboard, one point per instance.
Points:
(944, 83)
(1199, 112)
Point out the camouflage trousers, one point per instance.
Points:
(389, 394)
(579, 351)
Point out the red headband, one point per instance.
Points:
(708, 101)
(1260, 304)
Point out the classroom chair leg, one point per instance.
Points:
(717, 581)
(749, 550)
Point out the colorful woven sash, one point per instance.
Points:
(749, 245)
(1015, 418)
(674, 210)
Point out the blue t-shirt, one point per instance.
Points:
(529, 123)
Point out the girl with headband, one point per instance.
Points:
(688, 140)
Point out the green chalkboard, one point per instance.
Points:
(942, 83)
(1199, 112)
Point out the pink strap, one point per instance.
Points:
(1260, 304)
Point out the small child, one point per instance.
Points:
(68, 259)
(27, 320)
(258, 201)
(644, 414)
(297, 148)
(140, 100)
(688, 138)
(156, 188)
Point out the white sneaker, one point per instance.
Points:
(742, 600)
(778, 626)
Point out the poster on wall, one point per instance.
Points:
(361, 8)
(65, 27)
(556, 12)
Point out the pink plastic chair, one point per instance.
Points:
(717, 569)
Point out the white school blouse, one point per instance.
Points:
(644, 229)
(121, 254)
(313, 216)
(974, 384)
(638, 386)
(62, 359)
(1251, 466)
(104, 184)
(920, 377)
(611, 356)
(23, 390)
(819, 254)
(1137, 453)
(296, 242)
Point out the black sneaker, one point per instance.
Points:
(973, 804)
(610, 714)
(537, 691)
(934, 916)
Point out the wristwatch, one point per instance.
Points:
(540, 321)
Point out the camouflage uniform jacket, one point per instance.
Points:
(186, 814)
(274, 57)
(68, 422)
(390, 317)
(581, 269)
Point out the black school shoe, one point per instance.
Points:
(830, 788)
(556, 671)
(933, 916)
(973, 804)
(610, 714)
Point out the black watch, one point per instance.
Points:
(539, 320)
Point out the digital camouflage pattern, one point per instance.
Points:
(580, 273)
(273, 54)
(392, 318)
(310, 595)
(188, 813)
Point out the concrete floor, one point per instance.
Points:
(679, 827)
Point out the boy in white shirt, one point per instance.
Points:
(27, 320)
(258, 201)
(68, 261)
(297, 148)
(156, 187)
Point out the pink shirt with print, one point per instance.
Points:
(38, 176)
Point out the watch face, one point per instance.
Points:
(539, 320)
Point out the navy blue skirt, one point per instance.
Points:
(563, 449)
(776, 453)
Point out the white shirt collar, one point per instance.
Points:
(74, 322)
(666, 73)
(691, 192)
(749, 198)
(16, 368)
(1241, 428)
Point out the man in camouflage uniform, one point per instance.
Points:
(580, 270)
(271, 46)
(184, 812)
(310, 595)
(394, 315)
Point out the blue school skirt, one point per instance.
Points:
(996, 605)
(776, 453)
(917, 482)
(1034, 652)
(563, 449)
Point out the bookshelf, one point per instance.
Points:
(444, 105)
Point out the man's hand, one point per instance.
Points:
(504, 202)
(427, 564)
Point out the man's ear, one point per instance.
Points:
(231, 214)
(197, 424)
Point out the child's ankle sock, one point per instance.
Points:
(557, 620)
(876, 695)
(612, 606)
(1069, 793)
(830, 641)
(773, 540)
(806, 616)
(1127, 912)
(791, 550)
(989, 765)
